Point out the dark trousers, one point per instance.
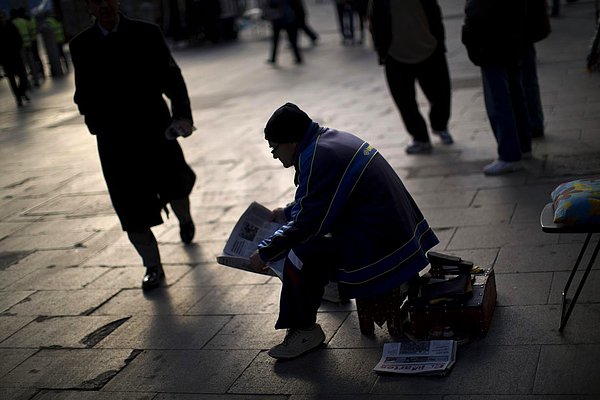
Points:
(507, 110)
(17, 77)
(434, 79)
(303, 288)
(292, 34)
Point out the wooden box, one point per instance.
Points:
(469, 317)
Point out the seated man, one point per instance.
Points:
(352, 222)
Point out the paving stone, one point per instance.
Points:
(66, 241)
(478, 237)
(10, 257)
(258, 331)
(160, 301)
(468, 216)
(17, 394)
(451, 198)
(10, 324)
(364, 397)
(479, 369)
(538, 324)
(520, 397)
(9, 299)
(58, 278)
(349, 336)
(536, 194)
(69, 332)
(67, 369)
(115, 256)
(537, 258)
(587, 294)
(131, 277)
(568, 369)
(11, 358)
(523, 288)
(177, 396)
(216, 274)
(182, 371)
(165, 332)
(61, 302)
(90, 395)
(324, 371)
(246, 299)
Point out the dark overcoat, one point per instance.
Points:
(120, 80)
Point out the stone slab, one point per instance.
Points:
(538, 324)
(587, 295)
(61, 302)
(56, 332)
(324, 371)
(553, 257)
(58, 278)
(493, 236)
(568, 369)
(67, 369)
(92, 395)
(131, 277)
(167, 332)
(182, 371)
(160, 301)
(11, 358)
(523, 288)
(213, 274)
(9, 299)
(10, 324)
(479, 368)
(245, 299)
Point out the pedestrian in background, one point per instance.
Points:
(20, 21)
(537, 28)
(282, 17)
(495, 37)
(300, 14)
(345, 14)
(11, 61)
(59, 36)
(123, 68)
(409, 38)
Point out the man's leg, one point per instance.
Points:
(498, 104)
(307, 270)
(401, 82)
(532, 92)
(181, 208)
(434, 79)
(147, 247)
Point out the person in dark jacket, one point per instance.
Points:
(495, 38)
(352, 222)
(281, 15)
(410, 40)
(123, 68)
(11, 61)
(300, 14)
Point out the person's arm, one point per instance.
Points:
(380, 26)
(319, 177)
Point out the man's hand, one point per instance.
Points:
(179, 127)
(257, 263)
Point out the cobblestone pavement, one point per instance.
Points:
(74, 323)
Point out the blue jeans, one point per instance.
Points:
(506, 109)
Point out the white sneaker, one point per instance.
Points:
(500, 167)
(444, 136)
(417, 147)
(297, 342)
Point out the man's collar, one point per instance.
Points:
(106, 31)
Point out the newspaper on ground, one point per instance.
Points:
(428, 357)
(254, 225)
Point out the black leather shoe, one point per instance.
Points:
(153, 277)
(187, 231)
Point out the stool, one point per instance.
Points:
(381, 309)
(548, 225)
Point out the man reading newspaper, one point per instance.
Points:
(352, 222)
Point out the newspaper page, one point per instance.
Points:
(430, 357)
(253, 226)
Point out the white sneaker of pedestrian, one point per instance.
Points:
(297, 342)
(444, 136)
(500, 167)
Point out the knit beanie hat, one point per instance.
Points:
(288, 124)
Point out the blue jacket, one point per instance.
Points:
(348, 190)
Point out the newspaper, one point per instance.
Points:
(430, 357)
(254, 225)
